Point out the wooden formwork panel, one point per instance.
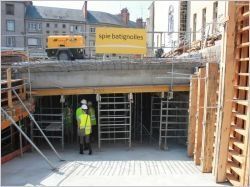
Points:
(209, 117)
(237, 163)
(192, 114)
(200, 111)
(233, 145)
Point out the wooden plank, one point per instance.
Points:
(14, 154)
(209, 118)
(10, 104)
(200, 111)
(228, 63)
(192, 114)
(108, 90)
(6, 123)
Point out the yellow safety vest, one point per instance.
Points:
(85, 123)
(79, 111)
(92, 115)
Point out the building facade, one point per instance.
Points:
(41, 22)
(162, 26)
(36, 23)
(205, 18)
(12, 24)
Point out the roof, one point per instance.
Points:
(97, 17)
(93, 17)
(40, 12)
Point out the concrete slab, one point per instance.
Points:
(143, 165)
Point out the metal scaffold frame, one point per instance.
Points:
(155, 115)
(114, 118)
(51, 121)
(173, 121)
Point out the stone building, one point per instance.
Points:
(12, 24)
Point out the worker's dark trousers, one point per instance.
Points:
(81, 133)
(84, 140)
(88, 143)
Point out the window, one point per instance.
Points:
(171, 19)
(10, 25)
(203, 29)
(47, 32)
(194, 26)
(34, 41)
(215, 10)
(39, 26)
(215, 15)
(92, 43)
(9, 9)
(63, 26)
(55, 25)
(92, 30)
(47, 25)
(75, 28)
(63, 33)
(34, 26)
(55, 32)
(10, 41)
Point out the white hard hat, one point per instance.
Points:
(85, 107)
(83, 101)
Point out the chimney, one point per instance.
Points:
(139, 23)
(85, 9)
(125, 15)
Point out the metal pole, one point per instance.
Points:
(99, 124)
(160, 126)
(28, 139)
(20, 140)
(32, 118)
(62, 128)
(141, 118)
(166, 127)
(151, 117)
(130, 122)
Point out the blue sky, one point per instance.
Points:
(136, 8)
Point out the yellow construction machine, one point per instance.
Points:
(66, 47)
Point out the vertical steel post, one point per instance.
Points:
(20, 140)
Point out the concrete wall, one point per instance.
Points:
(197, 7)
(18, 17)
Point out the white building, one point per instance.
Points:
(163, 26)
(206, 17)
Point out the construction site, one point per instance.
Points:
(167, 114)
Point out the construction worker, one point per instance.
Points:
(68, 123)
(84, 129)
(79, 111)
(91, 111)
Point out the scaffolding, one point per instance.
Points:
(114, 118)
(173, 121)
(51, 123)
(155, 116)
